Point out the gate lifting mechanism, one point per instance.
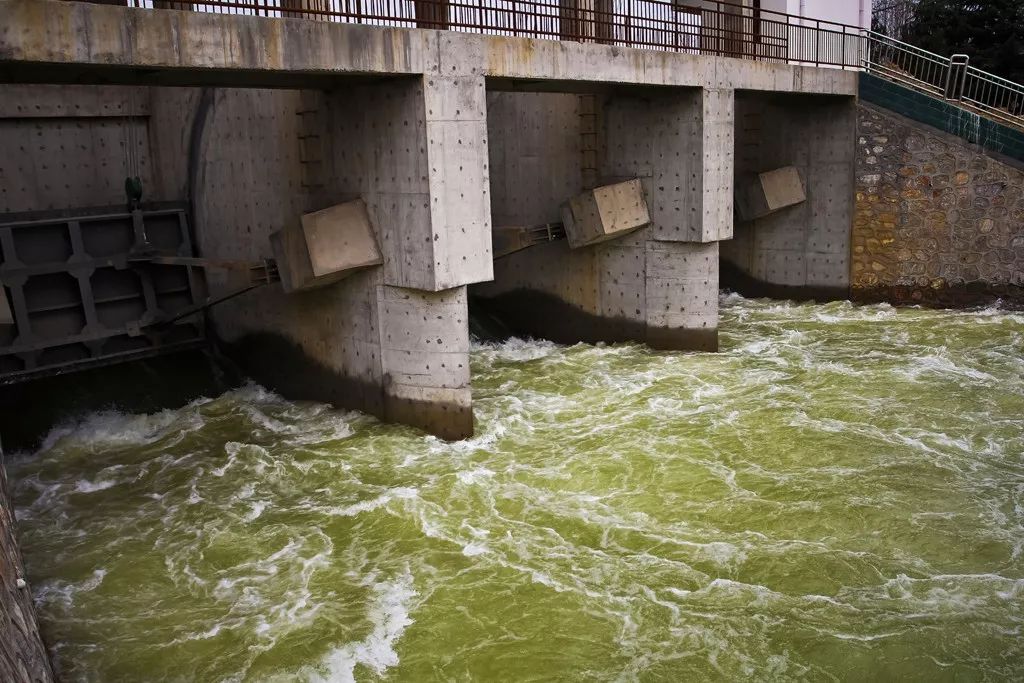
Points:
(257, 274)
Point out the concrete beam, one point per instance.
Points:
(804, 250)
(42, 39)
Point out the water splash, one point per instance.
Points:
(839, 493)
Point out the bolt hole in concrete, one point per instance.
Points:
(836, 494)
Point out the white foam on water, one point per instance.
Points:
(474, 476)
(111, 428)
(86, 486)
(398, 493)
(474, 548)
(389, 613)
(256, 509)
(515, 349)
(938, 364)
(63, 593)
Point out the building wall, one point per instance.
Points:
(937, 219)
(23, 657)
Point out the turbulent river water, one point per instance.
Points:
(837, 495)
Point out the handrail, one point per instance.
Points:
(951, 78)
(710, 27)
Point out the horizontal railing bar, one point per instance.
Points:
(907, 46)
(718, 27)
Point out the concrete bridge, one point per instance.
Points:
(253, 122)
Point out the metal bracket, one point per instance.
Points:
(259, 273)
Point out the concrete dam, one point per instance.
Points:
(321, 205)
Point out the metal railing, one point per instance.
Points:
(714, 28)
(950, 78)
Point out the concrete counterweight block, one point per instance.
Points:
(764, 193)
(604, 213)
(330, 245)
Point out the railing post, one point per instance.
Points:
(955, 74)
(817, 42)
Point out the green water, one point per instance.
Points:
(837, 495)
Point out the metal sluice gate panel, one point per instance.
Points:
(81, 294)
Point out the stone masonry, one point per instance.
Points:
(22, 654)
(937, 221)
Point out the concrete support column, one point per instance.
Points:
(424, 347)
(800, 251)
(416, 150)
(392, 340)
(681, 145)
(658, 285)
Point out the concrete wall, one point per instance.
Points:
(657, 285)
(64, 146)
(535, 166)
(23, 657)
(938, 221)
(392, 342)
(800, 251)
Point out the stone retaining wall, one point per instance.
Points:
(937, 221)
(23, 657)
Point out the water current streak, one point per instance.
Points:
(839, 494)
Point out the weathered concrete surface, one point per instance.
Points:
(630, 289)
(192, 48)
(938, 221)
(679, 142)
(534, 165)
(43, 128)
(801, 251)
(416, 150)
(657, 285)
(23, 657)
(367, 342)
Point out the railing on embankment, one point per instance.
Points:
(714, 28)
(951, 79)
(945, 93)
